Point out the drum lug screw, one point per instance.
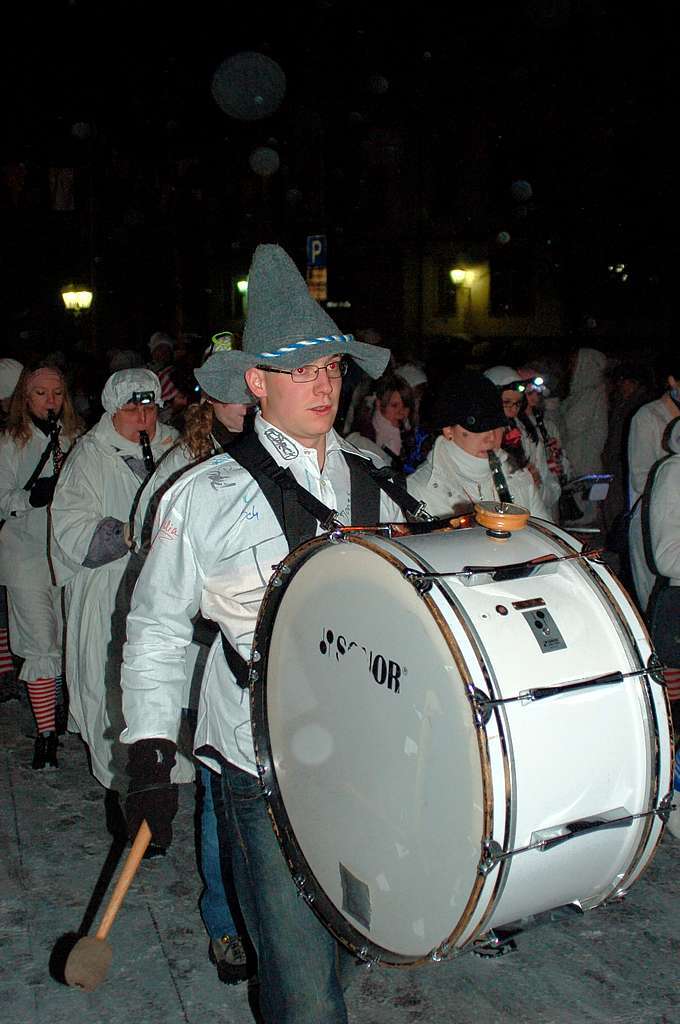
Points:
(665, 807)
(255, 656)
(368, 961)
(419, 580)
(299, 881)
(441, 952)
(482, 706)
(491, 855)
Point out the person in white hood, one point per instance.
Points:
(512, 388)
(645, 448)
(90, 553)
(467, 463)
(42, 426)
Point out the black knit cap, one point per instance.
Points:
(469, 400)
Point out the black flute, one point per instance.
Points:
(147, 454)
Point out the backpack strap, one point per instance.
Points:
(387, 480)
(41, 463)
(298, 512)
(645, 506)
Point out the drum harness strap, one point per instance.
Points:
(298, 512)
(500, 483)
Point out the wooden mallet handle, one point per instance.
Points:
(132, 862)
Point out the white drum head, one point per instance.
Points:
(371, 758)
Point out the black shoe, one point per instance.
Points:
(152, 851)
(51, 750)
(61, 719)
(39, 753)
(229, 958)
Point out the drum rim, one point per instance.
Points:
(302, 875)
(647, 845)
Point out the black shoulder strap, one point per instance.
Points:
(387, 480)
(296, 510)
(41, 463)
(645, 504)
(142, 488)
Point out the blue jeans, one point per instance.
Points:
(299, 961)
(213, 904)
(676, 773)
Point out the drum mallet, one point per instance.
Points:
(89, 960)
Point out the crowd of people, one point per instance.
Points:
(138, 542)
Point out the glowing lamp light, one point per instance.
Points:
(242, 286)
(76, 299)
(457, 275)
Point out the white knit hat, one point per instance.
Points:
(160, 338)
(10, 371)
(505, 377)
(122, 384)
(412, 374)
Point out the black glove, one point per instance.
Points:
(151, 794)
(42, 490)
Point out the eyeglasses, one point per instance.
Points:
(509, 403)
(309, 373)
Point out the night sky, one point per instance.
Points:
(575, 98)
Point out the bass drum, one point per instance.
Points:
(456, 732)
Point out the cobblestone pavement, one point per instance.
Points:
(617, 965)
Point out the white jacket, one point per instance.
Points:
(216, 540)
(644, 444)
(549, 489)
(664, 528)
(96, 482)
(23, 539)
(450, 476)
(664, 520)
(584, 413)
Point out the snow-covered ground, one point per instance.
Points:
(618, 965)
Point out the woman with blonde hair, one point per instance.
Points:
(41, 426)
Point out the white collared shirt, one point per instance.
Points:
(215, 542)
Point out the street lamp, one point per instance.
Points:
(460, 278)
(76, 298)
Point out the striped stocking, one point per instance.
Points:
(41, 694)
(6, 663)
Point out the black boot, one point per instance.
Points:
(39, 752)
(51, 750)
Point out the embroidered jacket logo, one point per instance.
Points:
(384, 671)
(285, 447)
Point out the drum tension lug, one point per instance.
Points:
(665, 807)
(492, 854)
(299, 881)
(368, 961)
(655, 668)
(279, 569)
(421, 582)
(483, 705)
(493, 944)
(442, 952)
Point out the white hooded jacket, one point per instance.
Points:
(216, 540)
(450, 476)
(96, 483)
(23, 540)
(584, 413)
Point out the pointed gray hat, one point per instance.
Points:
(287, 328)
(221, 377)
